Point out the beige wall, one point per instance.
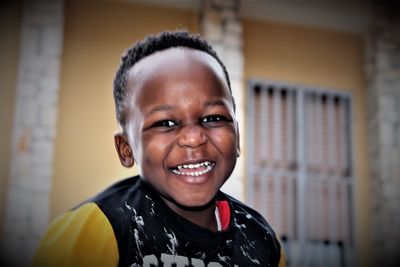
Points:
(10, 17)
(96, 34)
(317, 58)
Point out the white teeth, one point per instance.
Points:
(193, 166)
(209, 166)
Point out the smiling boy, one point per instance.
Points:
(177, 118)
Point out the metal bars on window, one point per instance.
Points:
(299, 171)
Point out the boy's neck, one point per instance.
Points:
(204, 217)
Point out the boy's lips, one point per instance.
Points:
(193, 169)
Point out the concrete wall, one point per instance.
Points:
(33, 129)
(383, 87)
(222, 28)
(10, 23)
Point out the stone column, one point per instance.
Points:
(221, 27)
(34, 129)
(383, 108)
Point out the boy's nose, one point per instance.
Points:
(192, 136)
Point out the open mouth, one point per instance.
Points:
(195, 169)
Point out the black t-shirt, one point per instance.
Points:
(149, 233)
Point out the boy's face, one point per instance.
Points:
(181, 128)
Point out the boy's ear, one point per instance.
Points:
(124, 150)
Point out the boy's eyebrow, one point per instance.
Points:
(217, 102)
(160, 108)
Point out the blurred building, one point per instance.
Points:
(317, 88)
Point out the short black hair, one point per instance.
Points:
(148, 46)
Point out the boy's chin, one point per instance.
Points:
(193, 205)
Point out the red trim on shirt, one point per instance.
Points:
(224, 214)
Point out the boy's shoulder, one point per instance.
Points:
(123, 197)
(117, 190)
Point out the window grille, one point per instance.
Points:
(299, 171)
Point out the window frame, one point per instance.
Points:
(298, 250)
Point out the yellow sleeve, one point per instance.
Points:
(81, 237)
(282, 260)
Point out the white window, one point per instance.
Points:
(299, 171)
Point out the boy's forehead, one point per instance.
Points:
(175, 58)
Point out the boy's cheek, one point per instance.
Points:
(157, 142)
(224, 136)
(155, 149)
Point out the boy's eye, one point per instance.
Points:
(215, 120)
(165, 124)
